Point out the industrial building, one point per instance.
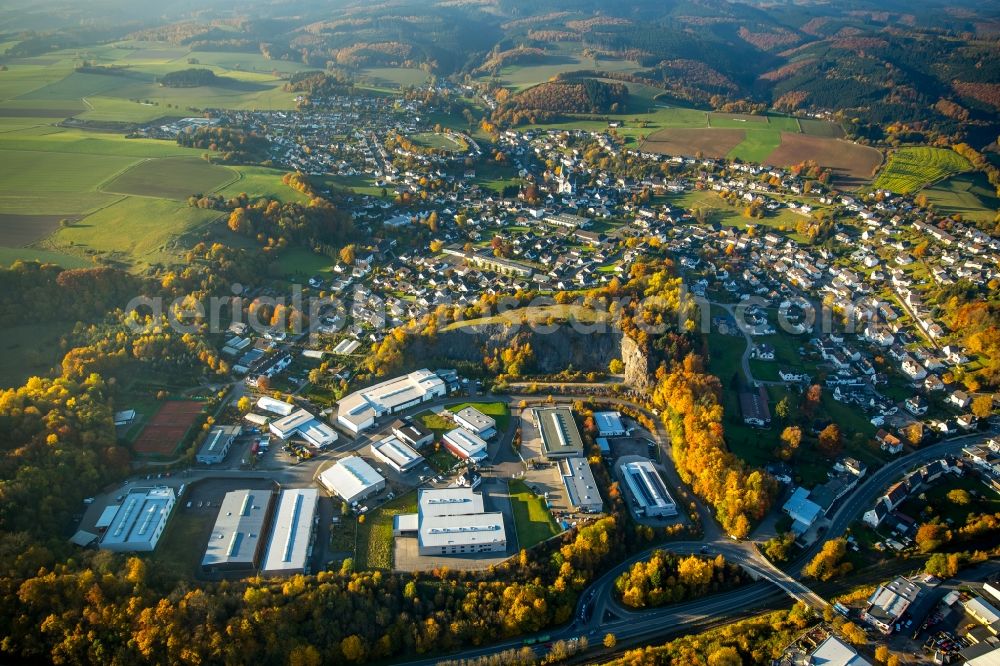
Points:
(306, 426)
(581, 489)
(453, 521)
(609, 424)
(412, 433)
(889, 602)
(475, 421)
(238, 537)
(649, 493)
(560, 436)
(357, 411)
(465, 444)
(274, 406)
(352, 479)
(397, 454)
(290, 547)
(139, 520)
(216, 446)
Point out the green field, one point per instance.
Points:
(392, 77)
(968, 195)
(758, 144)
(532, 519)
(176, 178)
(34, 182)
(910, 169)
(525, 76)
(136, 231)
(375, 540)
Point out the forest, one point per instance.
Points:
(190, 78)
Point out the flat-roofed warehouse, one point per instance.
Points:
(139, 521)
(465, 444)
(474, 420)
(216, 446)
(397, 454)
(649, 492)
(306, 426)
(560, 436)
(581, 488)
(412, 433)
(352, 479)
(609, 424)
(454, 520)
(291, 543)
(238, 536)
(357, 411)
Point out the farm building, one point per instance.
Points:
(581, 488)
(560, 436)
(609, 424)
(396, 454)
(352, 479)
(237, 540)
(650, 496)
(465, 444)
(358, 411)
(216, 446)
(453, 521)
(306, 426)
(290, 546)
(475, 421)
(140, 520)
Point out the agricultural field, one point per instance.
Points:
(392, 77)
(774, 140)
(136, 231)
(174, 178)
(852, 163)
(537, 315)
(532, 519)
(968, 195)
(911, 169)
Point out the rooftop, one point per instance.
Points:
(560, 436)
(237, 532)
(293, 523)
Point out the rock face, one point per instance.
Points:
(582, 348)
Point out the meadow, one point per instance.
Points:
(968, 195)
(532, 519)
(910, 169)
(171, 178)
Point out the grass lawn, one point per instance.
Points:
(438, 141)
(936, 502)
(435, 422)
(532, 519)
(299, 264)
(375, 540)
(182, 545)
(910, 169)
(8, 255)
(35, 182)
(499, 411)
(442, 459)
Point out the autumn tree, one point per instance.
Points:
(931, 536)
(830, 442)
(827, 563)
(982, 406)
(959, 496)
(853, 633)
(348, 254)
(610, 641)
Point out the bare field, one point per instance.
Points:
(689, 142)
(852, 164)
(171, 178)
(21, 230)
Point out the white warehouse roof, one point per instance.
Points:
(351, 477)
(289, 547)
